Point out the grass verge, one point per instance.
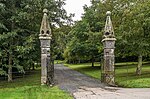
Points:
(29, 88)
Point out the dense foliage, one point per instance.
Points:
(131, 21)
(20, 23)
(19, 28)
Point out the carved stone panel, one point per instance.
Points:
(45, 50)
(43, 69)
(45, 43)
(109, 44)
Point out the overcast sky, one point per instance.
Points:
(76, 6)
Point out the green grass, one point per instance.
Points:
(86, 68)
(29, 88)
(58, 62)
(125, 73)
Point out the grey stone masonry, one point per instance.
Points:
(109, 57)
(45, 39)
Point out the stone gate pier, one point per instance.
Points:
(109, 57)
(45, 36)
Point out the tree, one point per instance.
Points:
(86, 35)
(136, 26)
(19, 30)
(61, 39)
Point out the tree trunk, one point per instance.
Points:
(33, 66)
(139, 66)
(79, 61)
(92, 61)
(10, 69)
(11, 43)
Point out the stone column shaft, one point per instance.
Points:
(109, 60)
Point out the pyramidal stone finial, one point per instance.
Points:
(108, 31)
(45, 30)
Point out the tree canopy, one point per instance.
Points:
(19, 29)
(79, 42)
(131, 23)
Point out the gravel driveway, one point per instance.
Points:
(85, 87)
